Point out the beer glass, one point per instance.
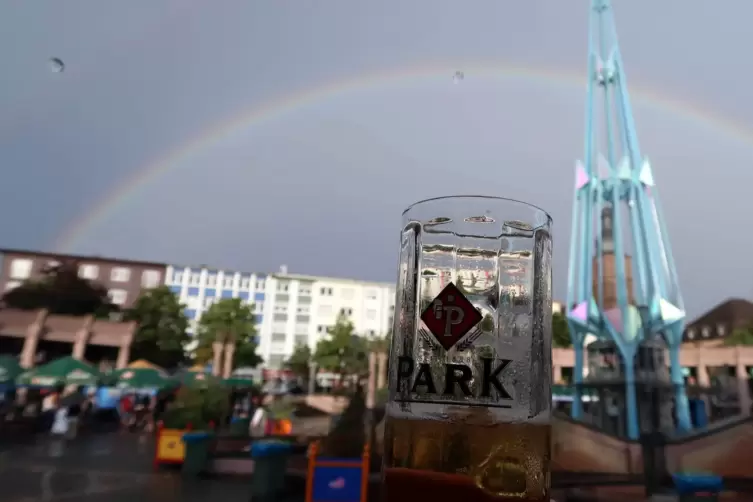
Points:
(469, 403)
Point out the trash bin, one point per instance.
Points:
(197, 452)
(698, 487)
(270, 464)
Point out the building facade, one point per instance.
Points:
(124, 279)
(291, 309)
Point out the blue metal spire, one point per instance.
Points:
(622, 282)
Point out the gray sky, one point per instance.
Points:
(319, 182)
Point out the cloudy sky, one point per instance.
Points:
(251, 134)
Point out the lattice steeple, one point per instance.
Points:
(622, 282)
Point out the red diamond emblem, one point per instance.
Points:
(450, 316)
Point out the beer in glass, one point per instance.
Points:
(468, 415)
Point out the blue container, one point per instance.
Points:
(270, 465)
(197, 452)
(688, 484)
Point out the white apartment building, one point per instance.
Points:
(290, 308)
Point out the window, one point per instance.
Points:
(258, 307)
(303, 310)
(283, 287)
(245, 282)
(150, 278)
(12, 285)
(260, 285)
(120, 274)
(705, 332)
(281, 309)
(178, 277)
(321, 329)
(325, 291)
(228, 282)
(371, 294)
(279, 337)
(20, 268)
(720, 330)
(302, 340)
(346, 311)
(372, 332)
(193, 280)
(691, 333)
(118, 296)
(211, 281)
(276, 360)
(304, 290)
(88, 271)
(371, 314)
(53, 264)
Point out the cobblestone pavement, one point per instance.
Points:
(109, 467)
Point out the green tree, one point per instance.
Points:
(61, 291)
(487, 323)
(342, 352)
(740, 336)
(560, 332)
(161, 333)
(229, 321)
(381, 344)
(299, 361)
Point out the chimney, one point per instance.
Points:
(283, 269)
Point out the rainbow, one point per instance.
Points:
(298, 101)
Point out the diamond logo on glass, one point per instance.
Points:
(450, 316)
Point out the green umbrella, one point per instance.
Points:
(238, 381)
(141, 378)
(9, 369)
(198, 379)
(63, 371)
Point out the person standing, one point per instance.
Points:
(126, 411)
(259, 425)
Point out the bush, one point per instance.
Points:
(198, 407)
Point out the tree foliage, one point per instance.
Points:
(299, 361)
(560, 332)
(229, 321)
(161, 332)
(381, 344)
(61, 291)
(342, 351)
(740, 336)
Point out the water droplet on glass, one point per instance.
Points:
(57, 65)
(439, 220)
(479, 219)
(459, 75)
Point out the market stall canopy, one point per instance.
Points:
(238, 381)
(196, 379)
(9, 369)
(63, 371)
(565, 394)
(144, 364)
(142, 378)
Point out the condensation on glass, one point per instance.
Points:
(470, 362)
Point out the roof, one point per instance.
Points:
(732, 313)
(61, 256)
(312, 278)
